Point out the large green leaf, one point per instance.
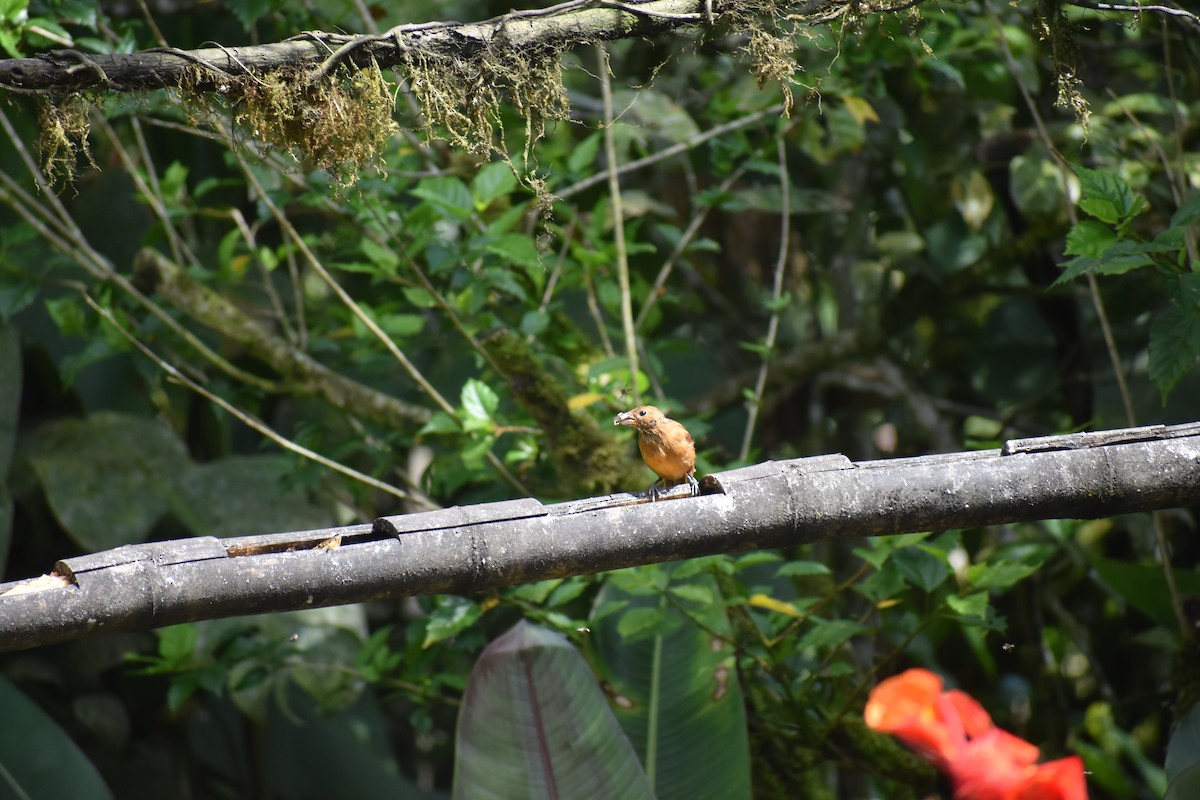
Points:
(1143, 587)
(37, 758)
(677, 694)
(108, 477)
(1183, 751)
(535, 724)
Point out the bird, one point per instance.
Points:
(666, 447)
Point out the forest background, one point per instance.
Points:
(880, 232)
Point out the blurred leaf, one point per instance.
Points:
(382, 257)
(479, 404)
(1174, 347)
(534, 724)
(310, 752)
(1143, 587)
(677, 696)
(999, 573)
(972, 605)
(830, 632)
(1089, 238)
(795, 568)
(246, 495)
(1183, 750)
(38, 759)
(107, 478)
(452, 616)
(449, 195)
(920, 568)
(1107, 196)
(492, 182)
(583, 156)
(1186, 786)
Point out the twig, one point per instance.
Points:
(785, 224)
(364, 318)
(1181, 618)
(618, 218)
(258, 425)
(672, 151)
(1169, 11)
(685, 239)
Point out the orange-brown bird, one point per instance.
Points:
(666, 447)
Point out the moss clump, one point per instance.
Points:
(461, 97)
(63, 136)
(338, 124)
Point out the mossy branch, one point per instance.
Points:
(158, 274)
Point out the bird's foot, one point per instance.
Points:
(654, 492)
(693, 484)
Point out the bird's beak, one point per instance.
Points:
(624, 418)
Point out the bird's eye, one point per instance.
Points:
(642, 413)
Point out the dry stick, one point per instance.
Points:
(1160, 535)
(689, 233)
(150, 191)
(258, 425)
(1190, 237)
(618, 217)
(785, 215)
(364, 318)
(1138, 9)
(673, 150)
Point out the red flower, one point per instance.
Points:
(954, 732)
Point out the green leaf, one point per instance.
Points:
(248, 11)
(796, 568)
(829, 632)
(534, 322)
(639, 623)
(245, 495)
(999, 574)
(479, 403)
(921, 568)
(1186, 786)
(492, 182)
(1188, 213)
(535, 724)
(452, 616)
(448, 195)
(402, 326)
(1174, 347)
(584, 155)
(419, 297)
(1089, 238)
(697, 593)
(439, 423)
(973, 605)
(678, 698)
(1107, 197)
(516, 248)
(568, 590)
(383, 258)
(1144, 588)
(1183, 750)
(501, 278)
(39, 758)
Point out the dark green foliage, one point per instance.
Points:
(456, 329)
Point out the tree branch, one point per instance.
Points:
(318, 53)
(774, 504)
